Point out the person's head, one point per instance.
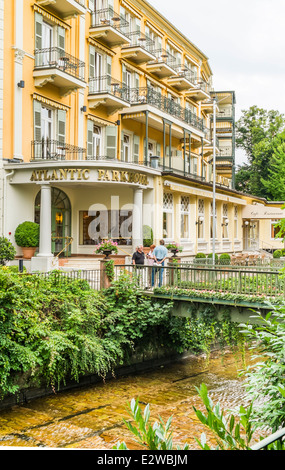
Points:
(161, 242)
(152, 247)
(140, 248)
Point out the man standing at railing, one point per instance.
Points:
(138, 261)
(160, 254)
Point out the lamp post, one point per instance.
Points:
(214, 180)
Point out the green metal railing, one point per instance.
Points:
(265, 444)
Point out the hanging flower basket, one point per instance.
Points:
(106, 247)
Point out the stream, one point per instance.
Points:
(92, 417)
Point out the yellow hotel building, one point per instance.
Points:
(108, 127)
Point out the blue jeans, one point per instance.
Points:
(153, 273)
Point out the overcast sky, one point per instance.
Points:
(244, 41)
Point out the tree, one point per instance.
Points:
(255, 134)
(276, 170)
(7, 250)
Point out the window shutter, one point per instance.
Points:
(61, 39)
(111, 142)
(37, 120)
(38, 37)
(91, 61)
(124, 74)
(137, 80)
(136, 147)
(122, 146)
(61, 125)
(92, 5)
(109, 65)
(90, 152)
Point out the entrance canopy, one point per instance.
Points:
(252, 211)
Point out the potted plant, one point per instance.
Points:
(7, 251)
(174, 248)
(27, 236)
(106, 247)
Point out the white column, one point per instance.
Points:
(45, 222)
(137, 225)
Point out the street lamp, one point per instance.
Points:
(215, 103)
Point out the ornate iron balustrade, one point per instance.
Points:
(47, 149)
(183, 71)
(147, 95)
(140, 39)
(162, 55)
(108, 17)
(54, 57)
(107, 84)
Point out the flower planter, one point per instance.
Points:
(107, 253)
(28, 252)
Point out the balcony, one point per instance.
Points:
(53, 65)
(184, 80)
(54, 150)
(148, 96)
(140, 48)
(164, 64)
(109, 27)
(65, 8)
(109, 93)
(200, 92)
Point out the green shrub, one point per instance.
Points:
(200, 255)
(225, 258)
(277, 254)
(7, 250)
(147, 236)
(27, 234)
(210, 255)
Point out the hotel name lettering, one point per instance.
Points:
(79, 174)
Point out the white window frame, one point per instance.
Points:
(201, 217)
(168, 209)
(225, 222)
(185, 212)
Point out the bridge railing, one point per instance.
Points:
(209, 279)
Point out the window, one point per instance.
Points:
(185, 217)
(201, 218)
(98, 225)
(49, 43)
(126, 148)
(49, 131)
(211, 221)
(274, 230)
(167, 215)
(225, 222)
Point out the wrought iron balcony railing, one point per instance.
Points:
(108, 17)
(47, 149)
(54, 57)
(140, 39)
(107, 84)
(163, 56)
(149, 96)
(183, 71)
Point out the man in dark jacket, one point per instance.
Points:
(138, 256)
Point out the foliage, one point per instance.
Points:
(200, 255)
(225, 258)
(174, 246)
(255, 134)
(147, 235)
(274, 180)
(230, 433)
(7, 250)
(210, 256)
(266, 379)
(152, 437)
(277, 254)
(106, 245)
(27, 234)
(109, 269)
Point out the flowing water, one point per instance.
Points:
(92, 417)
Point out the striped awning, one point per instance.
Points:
(49, 102)
(51, 17)
(99, 121)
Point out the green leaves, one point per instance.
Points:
(156, 436)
